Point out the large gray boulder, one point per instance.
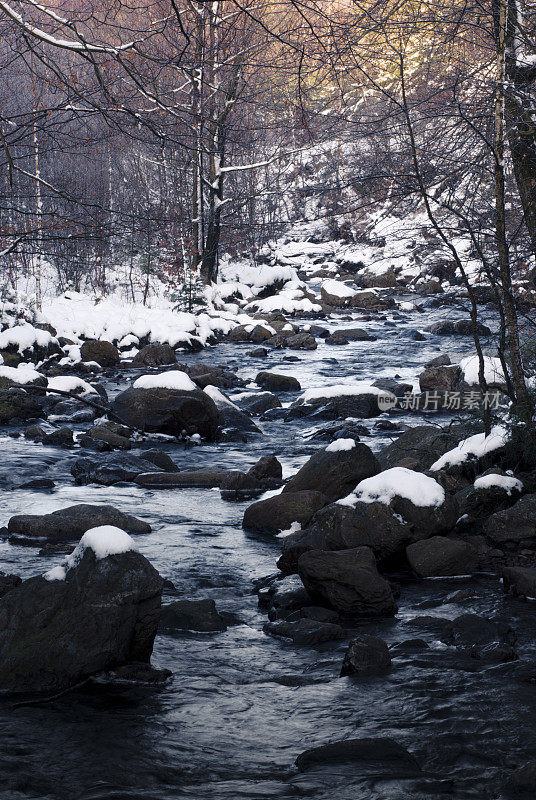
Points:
(108, 469)
(104, 353)
(70, 523)
(423, 444)
(335, 473)
(348, 581)
(56, 633)
(520, 581)
(172, 411)
(513, 525)
(154, 355)
(440, 556)
(277, 513)
(366, 654)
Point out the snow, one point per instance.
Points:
(340, 444)
(24, 373)
(419, 489)
(174, 379)
(493, 371)
(343, 390)
(337, 289)
(506, 482)
(218, 397)
(70, 383)
(294, 528)
(24, 337)
(474, 447)
(106, 540)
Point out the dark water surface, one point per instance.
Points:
(241, 705)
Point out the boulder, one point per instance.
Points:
(381, 756)
(102, 433)
(102, 614)
(424, 444)
(257, 404)
(363, 406)
(463, 327)
(348, 581)
(513, 525)
(305, 631)
(207, 375)
(8, 582)
(441, 378)
(277, 513)
(71, 522)
(334, 473)
(237, 485)
(160, 459)
(187, 479)
(358, 335)
(104, 353)
(109, 469)
(440, 556)
(62, 437)
(481, 638)
(519, 581)
(154, 355)
(267, 467)
(191, 615)
(277, 383)
(366, 654)
(170, 411)
(19, 406)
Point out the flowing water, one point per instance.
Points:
(241, 705)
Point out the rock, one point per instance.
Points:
(104, 353)
(56, 633)
(160, 459)
(336, 473)
(381, 756)
(363, 406)
(62, 437)
(358, 335)
(370, 280)
(348, 581)
(71, 522)
(187, 479)
(513, 525)
(424, 443)
(439, 556)
(277, 383)
(267, 467)
(283, 595)
(259, 334)
(191, 615)
(441, 378)
(101, 433)
(206, 375)
(237, 485)
(170, 411)
(522, 782)
(257, 404)
(18, 406)
(432, 287)
(232, 417)
(519, 581)
(366, 654)
(34, 432)
(154, 355)
(258, 352)
(277, 513)
(109, 469)
(439, 361)
(371, 299)
(8, 582)
(305, 631)
(462, 327)
(481, 638)
(337, 338)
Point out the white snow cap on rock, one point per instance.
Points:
(475, 446)
(343, 390)
(24, 373)
(419, 489)
(506, 482)
(70, 383)
(337, 288)
(25, 336)
(106, 540)
(340, 444)
(174, 379)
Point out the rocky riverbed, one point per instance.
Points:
(445, 710)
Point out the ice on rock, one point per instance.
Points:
(419, 489)
(474, 447)
(174, 379)
(340, 444)
(105, 540)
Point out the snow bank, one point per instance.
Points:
(343, 390)
(287, 302)
(70, 383)
(340, 444)
(419, 489)
(506, 482)
(493, 371)
(24, 373)
(106, 540)
(258, 277)
(474, 447)
(24, 337)
(174, 379)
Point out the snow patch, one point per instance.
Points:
(174, 379)
(506, 482)
(24, 373)
(340, 444)
(474, 447)
(105, 540)
(419, 489)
